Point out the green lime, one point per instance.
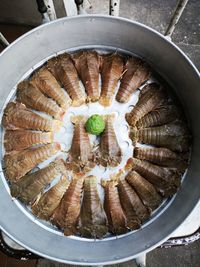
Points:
(95, 124)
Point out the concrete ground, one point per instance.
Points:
(183, 256)
(156, 14)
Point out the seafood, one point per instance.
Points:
(21, 139)
(50, 200)
(174, 136)
(80, 157)
(18, 163)
(92, 221)
(137, 72)
(113, 208)
(161, 156)
(62, 67)
(17, 116)
(46, 83)
(165, 181)
(35, 99)
(133, 207)
(65, 192)
(111, 71)
(151, 98)
(109, 151)
(162, 115)
(66, 215)
(144, 189)
(88, 65)
(31, 185)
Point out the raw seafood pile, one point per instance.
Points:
(64, 191)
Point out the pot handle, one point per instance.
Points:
(141, 260)
(176, 16)
(41, 6)
(3, 40)
(114, 8)
(20, 254)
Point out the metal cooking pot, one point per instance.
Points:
(171, 63)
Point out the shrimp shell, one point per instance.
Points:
(47, 84)
(31, 185)
(21, 139)
(147, 102)
(66, 215)
(93, 220)
(133, 207)
(161, 156)
(65, 72)
(35, 99)
(144, 189)
(174, 136)
(18, 163)
(137, 72)
(116, 218)
(159, 116)
(80, 157)
(111, 71)
(50, 200)
(110, 151)
(17, 116)
(88, 65)
(165, 181)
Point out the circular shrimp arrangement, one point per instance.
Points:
(94, 185)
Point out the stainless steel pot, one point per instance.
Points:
(171, 63)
